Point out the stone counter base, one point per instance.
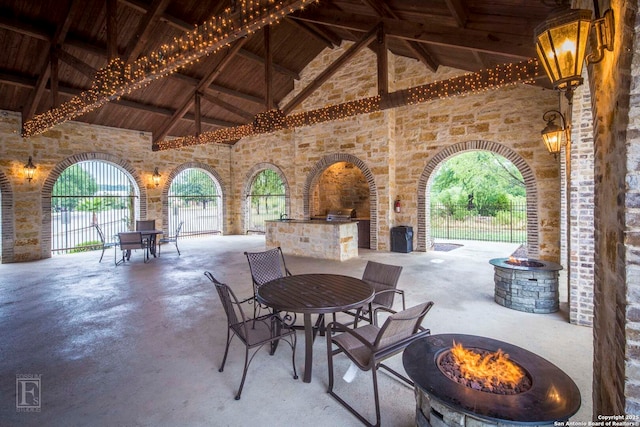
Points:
(316, 239)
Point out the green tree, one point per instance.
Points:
(194, 185)
(266, 183)
(483, 180)
(73, 184)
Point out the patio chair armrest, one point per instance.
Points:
(339, 327)
(381, 308)
(396, 291)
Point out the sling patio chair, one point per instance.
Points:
(368, 346)
(253, 332)
(384, 280)
(171, 239)
(103, 240)
(128, 241)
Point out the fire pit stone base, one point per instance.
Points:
(533, 289)
(431, 413)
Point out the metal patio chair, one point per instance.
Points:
(384, 280)
(253, 332)
(265, 266)
(368, 346)
(103, 240)
(128, 241)
(171, 239)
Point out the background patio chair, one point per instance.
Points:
(384, 279)
(105, 244)
(128, 241)
(171, 239)
(265, 266)
(253, 332)
(368, 346)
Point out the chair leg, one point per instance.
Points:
(330, 354)
(244, 372)
(294, 339)
(177, 248)
(103, 249)
(226, 351)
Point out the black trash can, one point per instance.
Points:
(402, 239)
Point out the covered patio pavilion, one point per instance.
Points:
(140, 344)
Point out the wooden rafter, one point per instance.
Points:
(112, 29)
(44, 68)
(385, 11)
(141, 36)
(331, 70)
(328, 38)
(383, 62)
(268, 69)
(458, 11)
(202, 85)
(207, 95)
(519, 47)
(87, 70)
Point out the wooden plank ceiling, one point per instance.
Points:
(51, 50)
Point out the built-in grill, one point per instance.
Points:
(341, 214)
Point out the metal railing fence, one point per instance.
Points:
(499, 223)
(263, 207)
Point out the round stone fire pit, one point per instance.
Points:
(529, 285)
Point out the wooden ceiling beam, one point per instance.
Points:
(207, 95)
(268, 68)
(331, 70)
(201, 87)
(112, 29)
(26, 82)
(458, 11)
(519, 47)
(327, 37)
(44, 68)
(141, 37)
(276, 67)
(421, 52)
(87, 70)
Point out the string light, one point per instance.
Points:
(274, 120)
(118, 79)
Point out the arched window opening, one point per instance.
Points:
(195, 199)
(89, 194)
(266, 200)
(479, 195)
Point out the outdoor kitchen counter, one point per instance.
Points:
(314, 238)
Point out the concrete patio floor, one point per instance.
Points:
(140, 344)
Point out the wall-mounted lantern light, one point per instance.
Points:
(29, 170)
(561, 43)
(156, 177)
(555, 136)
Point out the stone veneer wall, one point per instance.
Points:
(26, 205)
(615, 91)
(397, 145)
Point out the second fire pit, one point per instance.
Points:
(529, 285)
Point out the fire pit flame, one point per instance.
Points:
(485, 371)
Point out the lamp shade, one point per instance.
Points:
(561, 42)
(29, 169)
(554, 136)
(156, 177)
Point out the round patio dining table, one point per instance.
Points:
(314, 294)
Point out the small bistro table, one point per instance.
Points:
(314, 294)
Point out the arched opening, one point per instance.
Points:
(478, 195)
(343, 170)
(425, 236)
(194, 198)
(87, 194)
(266, 199)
